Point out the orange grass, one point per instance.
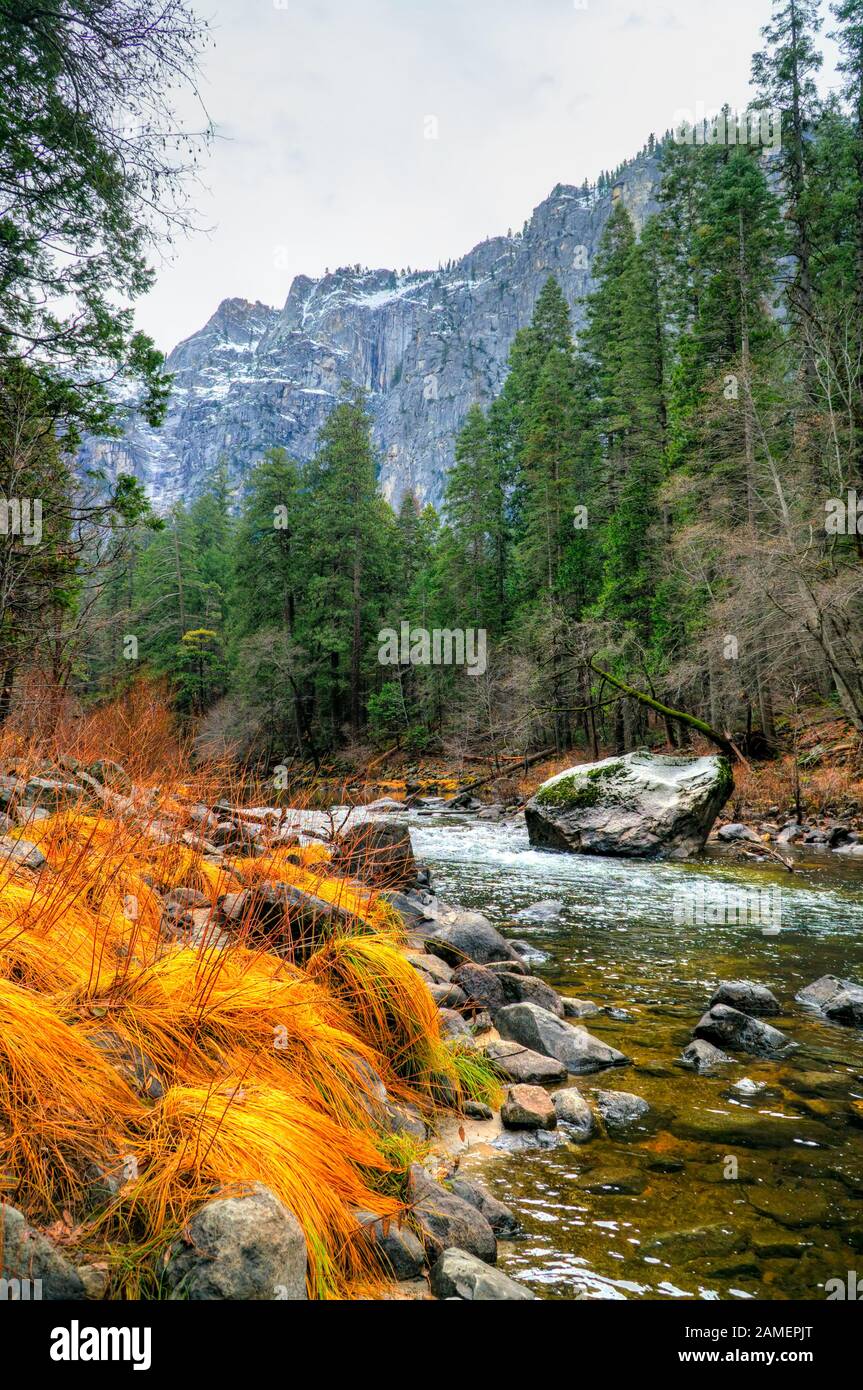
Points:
(268, 1071)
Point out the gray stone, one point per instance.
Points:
(528, 1107)
(470, 938)
(546, 911)
(621, 1111)
(502, 1220)
(702, 1056)
(579, 1008)
(846, 1006)
(460, 1275)
(640, 805)
(816, 995)
(747, 996)
(448, 996)
(481, 985)
(727, 1027)
(25, 1254)
(243, 1247)
(735, 831)
(452, 1025)
(527, 989)
(445, 1220)
(396, 1249)
(21, 852)
(573, 1111)
(542, 1031)
(436, 969)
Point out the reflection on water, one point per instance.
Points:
(770, 1208)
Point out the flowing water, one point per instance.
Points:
(699, 1205)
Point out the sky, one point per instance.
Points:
(402, 132)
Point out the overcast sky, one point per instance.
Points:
(322, 111)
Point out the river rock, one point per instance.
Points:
(750, 998)
(448, 996)
(696, 1241)
(542, 1031)
(573, 1111)
(702, 1056)
(446, 1220)
(502, 1220)
(25, 1254)
(749, 1129)
(377, 852)
(452, 1025)
(621, 1111)
(822, 990)
(612, 1181)
(246, 1247)
(735, 831)
(481, 986)
(640, 805)
(546, 911)
(397, 1250)
(521, 989)
(471, 938)
(727, 1027)
(579, 1008)
(846, 1006)
(436, 969)
(458, 1274)
(22, 852)
(793, 1206)
(522, 1064)
(528, 1107)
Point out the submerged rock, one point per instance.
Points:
(621, 1111)
(458, 1274)
(730, 1028)
(640, 805)
(573, 1111)
(747, 996)
(575, 1048)
(702, 1056)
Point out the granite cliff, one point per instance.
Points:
(424, 346)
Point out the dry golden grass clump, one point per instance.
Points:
(140, 1075)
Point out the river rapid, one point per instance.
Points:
(698, 1205)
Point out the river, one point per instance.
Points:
(663, 1216)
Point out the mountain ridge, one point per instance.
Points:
(424, 345)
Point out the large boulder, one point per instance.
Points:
(244, 1247)
(574, 1048)
(641, 805)
(395, 1248)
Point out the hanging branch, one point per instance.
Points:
(728, 748)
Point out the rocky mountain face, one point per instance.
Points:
(424, 346)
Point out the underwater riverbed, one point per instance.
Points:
(733, 1192)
